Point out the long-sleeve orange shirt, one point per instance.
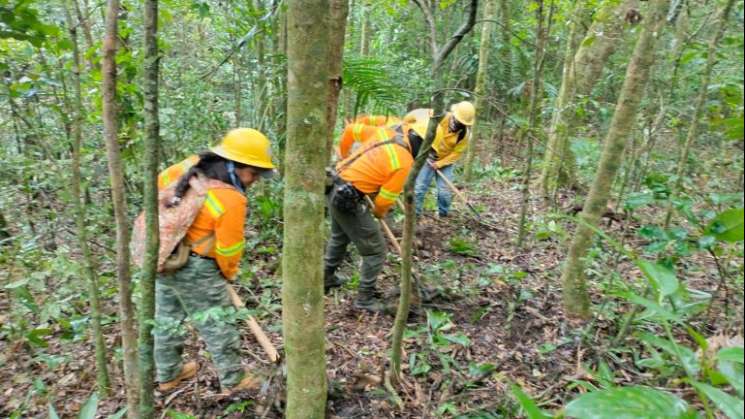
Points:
(357, 134)
(378, 120)
(222, 216)
(380, 170)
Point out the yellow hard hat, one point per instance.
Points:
(247, 146)
(464, 112)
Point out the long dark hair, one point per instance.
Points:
(210, 165)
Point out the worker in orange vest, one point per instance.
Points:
(378, 169)
(217, 243)
(446, 150)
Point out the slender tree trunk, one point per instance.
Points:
(581, 72)
(85, 23)
(480, 89)
(237, 88)
(603, 37)
(110, 125)
(703, 91)
(150, 198)
(535, 98)
(102, 375)
(558, 131)
(505, 50)
(402, 313)
(302, 290)
(365, 32)
(576, 298)
(337, 30)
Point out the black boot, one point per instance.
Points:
(369, 300)
(331, 280)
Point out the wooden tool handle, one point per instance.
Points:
(386, 229)
(257, 331)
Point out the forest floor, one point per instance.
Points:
(496, 320)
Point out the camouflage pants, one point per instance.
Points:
(360, 228)
(198, 291)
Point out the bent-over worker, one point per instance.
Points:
(446, 150)
(198, 288)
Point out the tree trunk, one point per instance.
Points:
(602, 39)
(558, 131)
(505, 50)
(575, 295)
(402, 313)
(581, 71)
(711, 55)
(150, 198)
(337, 29)
(102, 375)
(302, 290)
(110, 126)
(535, 97)
(480, 89)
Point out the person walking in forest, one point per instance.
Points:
(216, 245)
(446, 150)
(379, 167)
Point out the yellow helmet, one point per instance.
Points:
(247, 146)
(464, 112)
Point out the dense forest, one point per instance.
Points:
(371, 209)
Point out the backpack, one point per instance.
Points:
(173, 224)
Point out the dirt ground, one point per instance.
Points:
(506, 301)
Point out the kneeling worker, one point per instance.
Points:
(379, 167)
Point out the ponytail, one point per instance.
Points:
(210, 165)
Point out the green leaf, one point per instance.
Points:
(178, 415)
(731, 406)
(529, 406)
(734, 354)
(52, 412)
(458, 338)
(481, 370)
(728, 226)
(685, 355)
(35, 337)
(733, 372)
(88, 411)
(662, 278)
(636, 402)
(118, 415)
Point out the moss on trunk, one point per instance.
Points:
(575, 295)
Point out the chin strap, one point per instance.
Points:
(233, 177)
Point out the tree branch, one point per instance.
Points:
(458, 35)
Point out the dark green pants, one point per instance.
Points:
(198, 291)
(363, 230)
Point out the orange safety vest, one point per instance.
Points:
(223, 214)
(380, 170)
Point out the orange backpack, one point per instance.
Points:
(173, 224)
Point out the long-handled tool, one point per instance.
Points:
(457, 192)
(261, 337)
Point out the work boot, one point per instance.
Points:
(368, 300)
(188, 371)
(331, 280)
(248, 382)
